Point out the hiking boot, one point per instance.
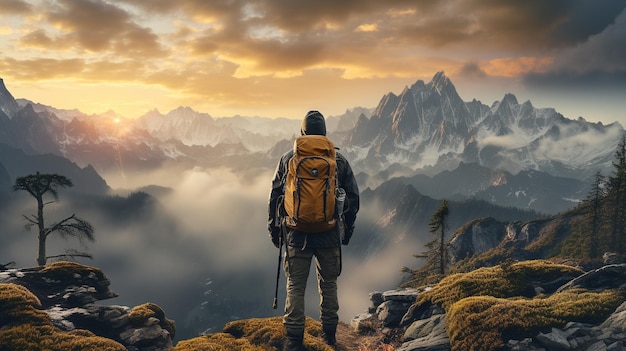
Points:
(328, 335)
(293, 342)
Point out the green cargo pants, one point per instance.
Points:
(297, 267)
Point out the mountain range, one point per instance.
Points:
(428, 126)
(425, 134)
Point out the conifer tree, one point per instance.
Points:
(42, 185)
(595, 200)
(438, 225)
(616, 198)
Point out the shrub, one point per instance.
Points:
(257, 334)
(500, 281)
(23, 327)
(140, 314)
(62, 270)
(18, 305)
(28, 337)
(483, 323)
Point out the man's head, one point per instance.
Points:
(313, 124)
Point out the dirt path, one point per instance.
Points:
(348, 340)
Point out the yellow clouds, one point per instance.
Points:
(367, 28)
(514, 67)
(6, 30)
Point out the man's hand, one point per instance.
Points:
(347, 236)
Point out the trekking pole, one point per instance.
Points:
(280, 254)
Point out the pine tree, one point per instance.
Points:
(595, 200)
(616, 198)
(438, 225)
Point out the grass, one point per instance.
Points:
(24, 327)
(268, 334)
(66, 269)
(499, 281)
(484, 323)
(140, 314)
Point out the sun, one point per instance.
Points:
(116, 121)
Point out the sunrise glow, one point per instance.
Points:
(269, 59)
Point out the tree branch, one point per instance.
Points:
(59, 225)
(72, 255)
(31, 220)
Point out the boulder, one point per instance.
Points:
(66, 284)
(430, 335)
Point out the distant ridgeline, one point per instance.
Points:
(517, 151)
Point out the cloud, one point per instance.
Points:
(15, 7)
(367, 28)
(472, 70)
(596, 64)
(577, 143)
(96, 26)
(504, 141)
(230, 55)
(212, 227)
(41, 68)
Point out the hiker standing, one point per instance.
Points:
(310, 227)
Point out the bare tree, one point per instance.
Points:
(40, 185)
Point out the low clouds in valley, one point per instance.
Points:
(202, 251)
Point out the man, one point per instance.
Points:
(302, 246)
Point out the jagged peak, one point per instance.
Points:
(187, 112)
(527, 102)
(509, 99)
(183, 108)
(29, 108)
(440, 81)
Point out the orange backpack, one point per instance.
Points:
(310, 185)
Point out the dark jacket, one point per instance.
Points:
(326, 239)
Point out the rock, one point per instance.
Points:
(424, 327)
(66, 284)
(436, 339)
(67, 292)
(612, 258)
(361, 322)
(556, 339)
(617, 320)
(390, 312)
(376, 298)
(402, 295)
(479, 236)
(420, 311)
(604, 278)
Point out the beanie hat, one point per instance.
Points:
(313, 124)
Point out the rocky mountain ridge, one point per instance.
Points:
(429, 125)
(425, 131)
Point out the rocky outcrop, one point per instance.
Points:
(424, 327)
(68, 292)
(475, 238)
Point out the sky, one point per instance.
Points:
(281, 58)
